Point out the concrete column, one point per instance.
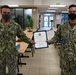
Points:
(34, 16)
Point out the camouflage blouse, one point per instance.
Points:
(8, 35)
(67, 37)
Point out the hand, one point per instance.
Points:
(48, 41)
(32, 42)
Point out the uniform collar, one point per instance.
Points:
(9, 21)
(71, 28)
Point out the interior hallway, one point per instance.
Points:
(44, 62)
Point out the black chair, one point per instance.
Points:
(19, 63)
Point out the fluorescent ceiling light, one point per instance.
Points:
(57, 5)
(52, 8)
(13, 5)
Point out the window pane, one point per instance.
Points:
(45, 23)
(51, 18)
(19, 16)
(64, 18)
(45, 18)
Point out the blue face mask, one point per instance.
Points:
(72, 16)
(6, 16)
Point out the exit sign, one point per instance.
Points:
(57, 3)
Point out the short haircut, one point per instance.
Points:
(5, 6)
(72, 5)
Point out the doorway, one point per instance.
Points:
(48, 20)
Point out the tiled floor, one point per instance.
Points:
(44, 62)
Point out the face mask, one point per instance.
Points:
(72, 16)
(6, 16)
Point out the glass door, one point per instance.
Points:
(51, 21)
(48, 20)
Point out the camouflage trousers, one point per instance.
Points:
(11, 63)
(68, 67)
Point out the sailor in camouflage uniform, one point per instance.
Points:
(66, 34)
(8, 32)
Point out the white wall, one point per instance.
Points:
(37, 2)
(64, 2)
(15, 2)
(58, 17)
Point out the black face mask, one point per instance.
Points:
(72, 16)
(6, 16)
